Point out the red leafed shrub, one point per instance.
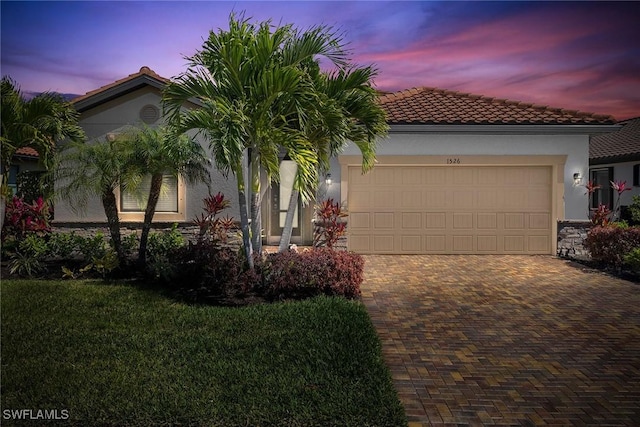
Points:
(329, 224)
(610, 244)
(22, 218)
(305, 274)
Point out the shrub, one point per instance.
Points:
(329, 225)
(213, 228)
(632, 259)
(610, 244)
(22, 218)
(320, 271)
(160, 248)
(28, 260)
(634, 210)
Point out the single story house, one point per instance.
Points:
(457, 174)
(615, 157)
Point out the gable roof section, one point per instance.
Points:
(431, 106)
(620, 146)
(146, 76)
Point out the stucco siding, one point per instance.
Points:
(112, 116)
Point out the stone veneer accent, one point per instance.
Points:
(571, 236)
(188, 230)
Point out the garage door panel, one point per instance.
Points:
(411, 176)
(411, 199)
(487, 244)
(411, 244)
(514, 244)
(383, 244)
(538, 243)
(487, 221)
(411, 220)
(462, 220)
(462, 243)
(360, 220)
(435, 220)
(435, 199)
(382, 220)
(539, 221)
(360, 200)
(435, 244)
(463, 199)
(383, 199)
(514, 221)
(384, 176)
(451, 209)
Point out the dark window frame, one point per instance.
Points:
(605, 188)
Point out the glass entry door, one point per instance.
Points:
(280, 195)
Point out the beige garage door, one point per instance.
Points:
(450, 210)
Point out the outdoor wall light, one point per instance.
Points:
(327, 179)
(577, 178)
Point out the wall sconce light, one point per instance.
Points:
(327, 179)
(577, 178)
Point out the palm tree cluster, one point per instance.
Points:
(263, 93)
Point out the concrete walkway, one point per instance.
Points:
(507, 340)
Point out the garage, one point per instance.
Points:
(450, 209)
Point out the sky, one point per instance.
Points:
(581, 55)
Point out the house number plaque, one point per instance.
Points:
(453, 161)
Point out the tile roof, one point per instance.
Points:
(144, 71)
(26, 152)
(621, 145)
(427, 105)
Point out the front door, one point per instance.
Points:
(280, 195)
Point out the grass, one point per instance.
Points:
(118, 355)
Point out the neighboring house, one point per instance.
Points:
(25, 160)
(615, 157)
(458, 173)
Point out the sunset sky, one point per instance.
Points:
(577, 55)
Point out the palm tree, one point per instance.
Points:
(254, 95)
(157, 153)
(38, 123)
(348, 111)
(82, 171)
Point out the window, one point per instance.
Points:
(603, 195)
(12, 179)
(636, 175)
(168, 201)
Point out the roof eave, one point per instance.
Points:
(547, 129)
(634, 157)
(116, 91)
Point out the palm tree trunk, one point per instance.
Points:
(244, 217)
(256, 211)
(111, 211)
(152, 202)
(285, 239)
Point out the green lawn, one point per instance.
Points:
(118, 355)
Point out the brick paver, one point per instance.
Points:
(507, 340)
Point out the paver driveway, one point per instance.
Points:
(512, 340)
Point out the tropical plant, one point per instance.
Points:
(255, 97)
(602, 215)
(347, 111)
(97, 169)
(157, 153)
(329, 225)
(38, 123)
